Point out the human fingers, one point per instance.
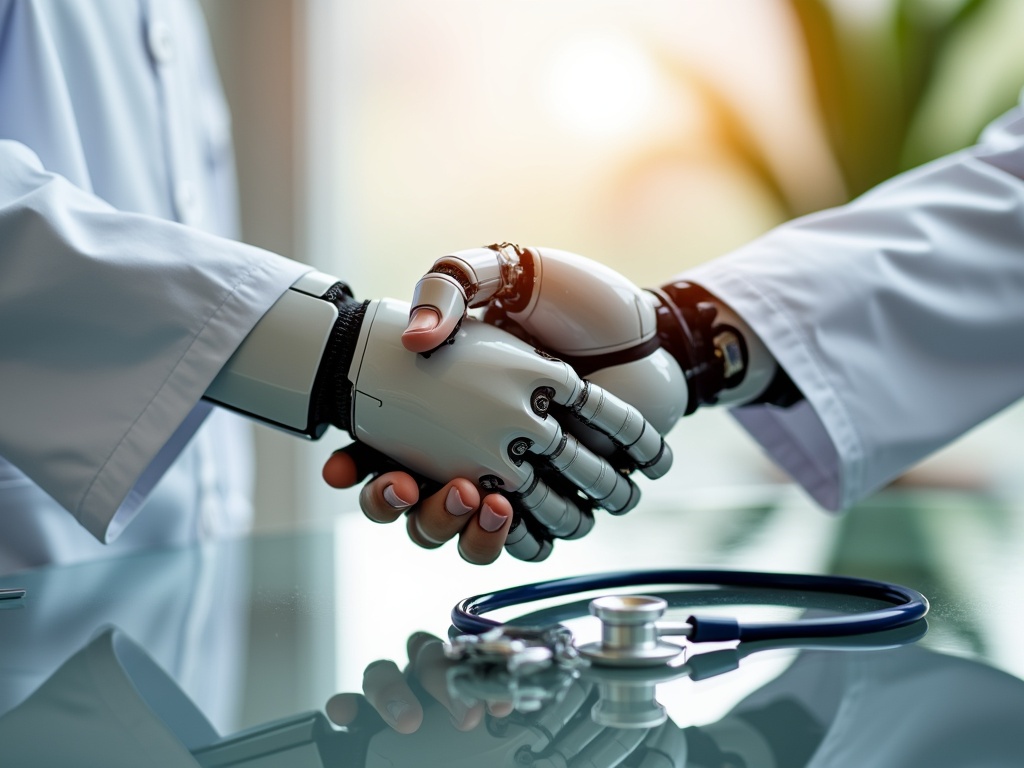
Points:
(349, 465)
(340, 470)
(383, 499)
(435, 664)
(442, 515)
(429, 665)
(342, 708)
(387, 690)
(386, 498)
(501, 708)
(483, 538)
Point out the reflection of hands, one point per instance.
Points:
(490, 408)
(388, 690)
(561, 732)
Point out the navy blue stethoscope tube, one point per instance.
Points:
(906, 605)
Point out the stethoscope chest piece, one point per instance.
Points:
(631, 634)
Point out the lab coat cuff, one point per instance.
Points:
(814, 441)
(173, 415)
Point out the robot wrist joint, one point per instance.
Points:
(713, 356)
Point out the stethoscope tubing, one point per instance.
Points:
(906, 605)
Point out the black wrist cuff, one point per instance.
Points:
(331, 402)
(686, 327)
(781, 392)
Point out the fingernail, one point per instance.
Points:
(423, 319)
(394, 499)
(490, 520)
(396, 708)
(455, 505)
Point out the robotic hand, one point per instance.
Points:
(485, 410)
(666, 351)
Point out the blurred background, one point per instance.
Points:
(651, 135)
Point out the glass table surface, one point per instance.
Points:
(326, 647)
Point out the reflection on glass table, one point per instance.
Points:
(216, 657)
(110, 704)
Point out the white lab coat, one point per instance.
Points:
(121, 294)
(900, 317)
(899, 708)
(188, 607)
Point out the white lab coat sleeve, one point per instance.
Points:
(112, 325)
(109, 704)
(900, 316)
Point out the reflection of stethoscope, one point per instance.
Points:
(631, 633)
(627, 697)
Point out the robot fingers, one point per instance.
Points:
(612, 746)
(625, 426)
(545, 512)
(593, 475)
(555, 513)
(542, 515)
(526, 544)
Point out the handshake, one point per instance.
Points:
(510, 426)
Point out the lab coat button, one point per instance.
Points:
(161, 42)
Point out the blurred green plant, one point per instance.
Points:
(897, 83)
(913, 80)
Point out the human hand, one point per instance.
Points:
(434, 513)
(400, 695)
(491, 408)
(545, 717)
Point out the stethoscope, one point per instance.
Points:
(631, 633)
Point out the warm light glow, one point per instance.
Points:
(601, 85)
